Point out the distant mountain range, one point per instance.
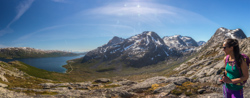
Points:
(197, 76)
(143, 49)
(26, 52)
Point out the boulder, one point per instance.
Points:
(183, 72)
(3, 78)
(200, 91)
(128, 83)
(147, 84)
(166, 89)
(190, 72)
(47, 85)
(218, 71)
(176, 79)
(181, 67)
(102, 80)
(3, 85)
(181, 81)
(211, 72)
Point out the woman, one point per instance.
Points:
(232, 74)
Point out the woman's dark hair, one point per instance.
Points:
(236, 49)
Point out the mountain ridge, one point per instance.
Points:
(147, 47)
(27, 52)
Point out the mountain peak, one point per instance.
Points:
(223, 33)
(227, 33)
(115, 40)
(150, 33)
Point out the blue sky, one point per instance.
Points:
(83, 25)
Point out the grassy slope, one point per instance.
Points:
(94, 69)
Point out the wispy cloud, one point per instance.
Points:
(126, 9)
(76, 35)
(60, 1)
(146, 13)
(38, 31)
(5, 31)
(21, 9)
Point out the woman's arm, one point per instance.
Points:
(245, 75)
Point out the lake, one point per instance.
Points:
(50, 63)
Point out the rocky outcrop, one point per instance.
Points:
(102, 80)
(166, 89)
(5, 93)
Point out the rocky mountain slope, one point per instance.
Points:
(17, 83)
(137, 51)
(26, 52)
(208, 65)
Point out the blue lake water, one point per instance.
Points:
(50, 64)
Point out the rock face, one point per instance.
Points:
(137, 51)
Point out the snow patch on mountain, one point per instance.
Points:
(181, 43)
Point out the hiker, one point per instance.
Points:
(233, 76)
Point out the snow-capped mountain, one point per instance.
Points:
(200, 43)
(181, 43)
(222, 33)
(137, 51)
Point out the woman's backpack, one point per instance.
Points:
(246, 58)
